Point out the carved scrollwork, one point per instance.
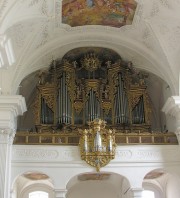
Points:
(70, 80)
(106, 105)
(135, 100)
(78, 106)
(94, 85)
(49, 96)
(36, 106)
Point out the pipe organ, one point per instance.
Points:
(64, 102)
(75, 91)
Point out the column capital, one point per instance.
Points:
(7, 136)
(10, 107)
(60, 193)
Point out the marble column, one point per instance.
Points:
(136, 193)
(60, 193)
(10, 108)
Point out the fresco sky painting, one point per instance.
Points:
(115, 13)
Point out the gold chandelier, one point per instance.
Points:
(97, 144)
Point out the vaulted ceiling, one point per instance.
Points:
(32, 33)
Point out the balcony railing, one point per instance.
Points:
(64, 138)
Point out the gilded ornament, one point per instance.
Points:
(91, 62)
(97, 144)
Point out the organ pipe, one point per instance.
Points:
(121, 108)
(92, 106)
(64, 113)
(138, 112)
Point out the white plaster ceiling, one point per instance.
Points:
(36, 35)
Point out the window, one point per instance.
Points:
(38, 194)
(148, 194)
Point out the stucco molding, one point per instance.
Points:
(70, 154)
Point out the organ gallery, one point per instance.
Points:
(88, 84)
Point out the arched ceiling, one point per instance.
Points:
(32, 33)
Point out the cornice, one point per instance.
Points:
(10, 108)
(15, 104)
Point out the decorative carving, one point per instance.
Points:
(36, 154)
(43, 36)
(124, 154)
(148, 154)
(92, 84)
(78, 106)
(3, 5)
(135, 100)
(91, 62)
(106, 106)
(49, 96)
(33, 2)
(36, 106)
(7, 136)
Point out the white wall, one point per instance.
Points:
(172, 187)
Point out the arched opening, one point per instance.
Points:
(33, 185)
(162, 184)
(102, 185)
(148, 194)
(38, 194)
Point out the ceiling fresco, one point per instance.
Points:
(115, 13)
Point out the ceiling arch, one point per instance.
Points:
(113, 181)
(128, 49)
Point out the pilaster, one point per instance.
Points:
(60, 193)
(136, 192)
(10, 108)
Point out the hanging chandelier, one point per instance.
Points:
(97, 144)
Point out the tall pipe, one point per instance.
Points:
(121, 99)
(118, 106)
(65, 101)
(64, 98)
